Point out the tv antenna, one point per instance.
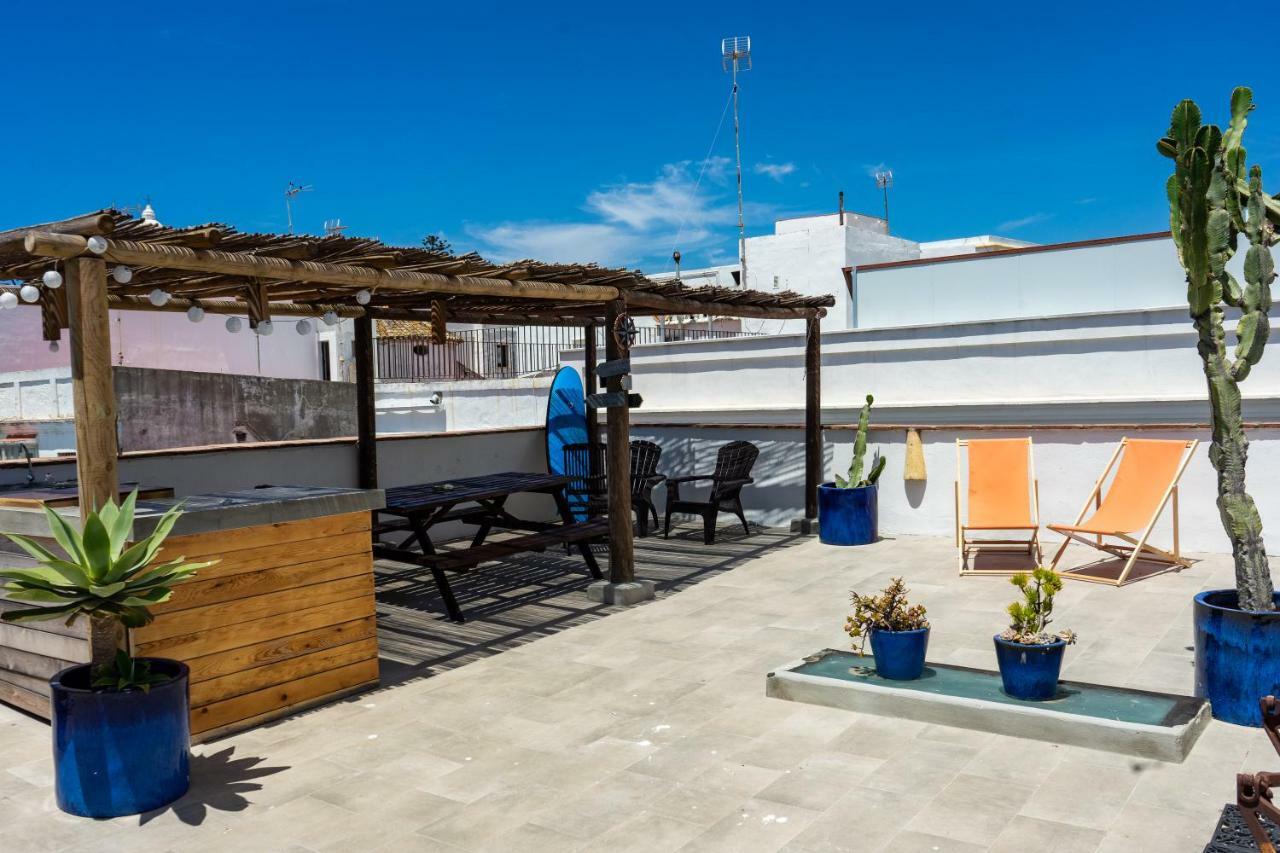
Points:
(289, 193)
(735, 56)
(884, 180)
(334, 228)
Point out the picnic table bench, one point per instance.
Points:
(480, 501)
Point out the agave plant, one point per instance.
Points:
(100, 575)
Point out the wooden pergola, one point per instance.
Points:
(261, 276)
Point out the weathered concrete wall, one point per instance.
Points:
(402, 460)
(180, 408)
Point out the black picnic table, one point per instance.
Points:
(481, 501)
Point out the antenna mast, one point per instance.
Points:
(884, 180)
(735, 56)
(289, 193)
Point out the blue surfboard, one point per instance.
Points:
(566, 424)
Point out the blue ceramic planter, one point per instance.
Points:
(847, 516)
(1030, 672)
(120, 753)
(1237, 656)
(900, 654)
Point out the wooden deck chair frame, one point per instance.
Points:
(967, 546)
(1133, 549)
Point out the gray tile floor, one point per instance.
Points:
(649, 730)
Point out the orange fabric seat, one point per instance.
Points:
(1002, 495)
(1144, 482)
(1000, 485)
(1147, 469)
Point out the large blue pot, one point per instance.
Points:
(120, 753)
(847, 516)
(900, 654)
(1030, 672)
(1237, 656)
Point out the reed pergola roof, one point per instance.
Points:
(227, 271)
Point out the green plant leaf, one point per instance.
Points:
(121, 527)
(67, 537)
(97, 548)
(39, 614)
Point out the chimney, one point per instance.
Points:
(842, 207)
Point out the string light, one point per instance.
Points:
(234, 324)
(195, 314)
(97, 245)
(52, 279)
(122, 274)
(330, 318)
(363, 297)
(8, 300)
(53, 346)
(158, 297)
(303, 326)
(265, 328)
(29, 293)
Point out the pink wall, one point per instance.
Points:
(170, 342)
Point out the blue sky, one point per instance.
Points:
(577, 131)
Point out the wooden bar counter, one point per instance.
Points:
(284, 621)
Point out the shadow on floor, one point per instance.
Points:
(219, 782)
(517, 601)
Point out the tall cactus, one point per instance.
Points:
(857, 464)
(1210, 205)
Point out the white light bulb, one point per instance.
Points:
(158, 297)
(122, 274)
(53, 346)
(8, 300)
(97, 245)
(330, 318)
(265, 328)
(195, 314)
(234, 324)
(363, 297)
(303, 326)
(29, 293)
(52, 279)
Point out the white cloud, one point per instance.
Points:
(1015, 224)
(777, 171)
(627, 222)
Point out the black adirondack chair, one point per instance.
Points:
(733, 471)
(590, 479)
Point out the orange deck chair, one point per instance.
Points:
(1003, 496)
(1145, 482)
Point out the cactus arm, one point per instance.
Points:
(877, 468)
(1209, 207)
(860, 444)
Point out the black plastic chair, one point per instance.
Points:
(590, 482)
(733, 471)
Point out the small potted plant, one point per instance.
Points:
(1030, 657)
(848, 508)
(121, 735)
(899, 631)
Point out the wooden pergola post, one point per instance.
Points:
(812, 424)
(94, 398)
(366, 407)
(622, 586)
(622, 558)
(592, 384)
(97, 442)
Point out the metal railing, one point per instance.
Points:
(504, 352)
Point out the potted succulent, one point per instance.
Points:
(121, 735)
(1214, 198)
(898, 630)
(1030, 657)
(848, 508)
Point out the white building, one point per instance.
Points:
(814, 255)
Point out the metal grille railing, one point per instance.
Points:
(504, 352)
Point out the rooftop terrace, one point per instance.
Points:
(539, 725)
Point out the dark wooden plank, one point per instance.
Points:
(413, 499)
(366, 422)
(28, 700)
(618, 448)
(812, 416)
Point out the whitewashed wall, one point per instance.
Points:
(1118, 276)
(1099, 370)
